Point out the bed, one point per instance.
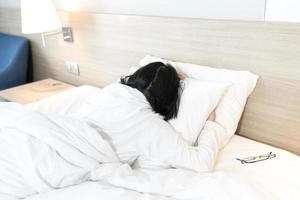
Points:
(279, 176)
(272, 114)
(276, 178)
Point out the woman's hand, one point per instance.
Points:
(212, 116)
(181, 75)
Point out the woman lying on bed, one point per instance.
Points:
(127, 122)
(134, 116)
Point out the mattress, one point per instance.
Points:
(279, 176)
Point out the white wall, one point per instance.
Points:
(283, 10)
(212, 9)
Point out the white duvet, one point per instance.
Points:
(40, 153)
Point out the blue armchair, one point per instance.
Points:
(14, 53)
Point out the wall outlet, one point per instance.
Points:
(72, 68)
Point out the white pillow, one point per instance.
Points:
(198, 100)
(230, 109)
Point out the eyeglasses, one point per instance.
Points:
(254, 159)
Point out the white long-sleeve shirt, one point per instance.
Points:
(138, 134)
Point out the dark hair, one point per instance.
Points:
(160, 84)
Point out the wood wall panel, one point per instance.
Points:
(106, 46)
(272, 114)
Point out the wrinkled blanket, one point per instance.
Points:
(41, 153)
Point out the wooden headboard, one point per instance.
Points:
(107, 45)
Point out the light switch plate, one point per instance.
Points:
(72, 68)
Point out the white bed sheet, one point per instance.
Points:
(279, 176)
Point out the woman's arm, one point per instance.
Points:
(166, 145)
(209, 144)
(200, 158)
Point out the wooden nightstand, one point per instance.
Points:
(35, 91)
